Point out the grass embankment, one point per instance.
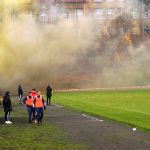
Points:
(24, 136)
(130, 107)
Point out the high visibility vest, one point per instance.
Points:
(38, 102)
(29, 101)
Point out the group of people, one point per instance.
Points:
(48, 94)
(35, 105)
(34, 102)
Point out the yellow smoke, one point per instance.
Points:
(35, 55)
(31, 53)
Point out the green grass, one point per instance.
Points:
(23, 136)
(129, 107)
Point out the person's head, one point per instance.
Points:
(38, 93)
(30, 93)
(7, 93)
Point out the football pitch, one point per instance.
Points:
(64, 129)
(131, 107)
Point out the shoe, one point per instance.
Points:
(9, 122)
(6, 122)
(35, 121)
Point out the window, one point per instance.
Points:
(43, 17)
(134, 14)
(67, 15)
(146, 14)
(99, 13)
(110, 13)
(121, 30)
(78, 13)
(146, 29)
(121, 11)
(111, 30)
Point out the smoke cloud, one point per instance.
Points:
(67, 54)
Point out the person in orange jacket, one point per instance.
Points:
(34, 94)
(28, 100)
(39, 105)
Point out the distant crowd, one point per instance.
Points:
(34, 102)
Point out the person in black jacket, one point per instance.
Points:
(20, 93)
(48, 94)
(7, 107)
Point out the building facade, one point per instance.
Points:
(110, 16)
(104, 12)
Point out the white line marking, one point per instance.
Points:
(58, 105)
(93, 118)
(131, 110)
(119, 107)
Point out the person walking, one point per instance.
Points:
(20, 93)
(34, 94)
(48, 94)
(7, 107)
(28, 100)
(39, 104)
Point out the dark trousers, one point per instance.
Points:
(30, 113)
(48, 100)
(39, 112)
(7, 115)
(33, 113)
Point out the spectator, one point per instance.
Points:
(20, 93)
(7, 107)
(48, 94)
(28, 100)
(34, 95)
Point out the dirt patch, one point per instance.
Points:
(96, 133)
